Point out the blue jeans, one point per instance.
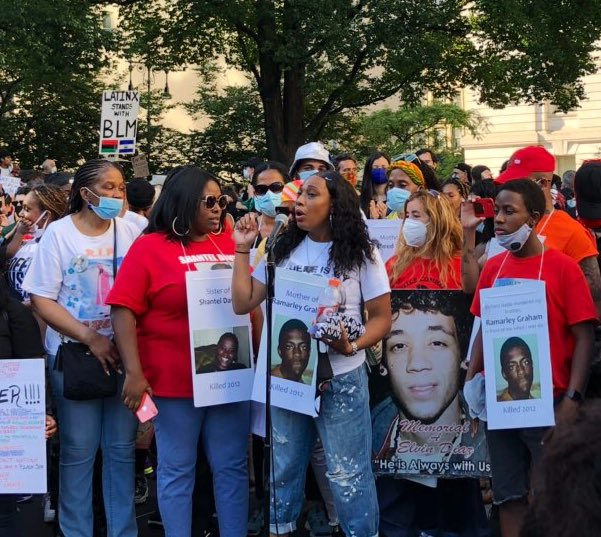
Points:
(344, 427)
(223, 431)
(85, 426)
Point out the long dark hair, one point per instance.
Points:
(367, 187)
(86, 176)
(178, 204)
(350, 240)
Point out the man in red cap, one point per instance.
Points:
(559, 229)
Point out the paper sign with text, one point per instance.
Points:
(517, 357)
(22, 427)
(386, 232)
(220, 340)
(119, 123)
(293, 351)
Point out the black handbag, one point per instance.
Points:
(83, 375)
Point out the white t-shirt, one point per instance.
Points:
(19, 265)
(371, 280)
(141, 222)
(77, 271)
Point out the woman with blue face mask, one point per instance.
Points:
(268, 182)
(69, 280)
(374, 185)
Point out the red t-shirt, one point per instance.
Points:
(152, 284)
(423, 274)
(569, 302)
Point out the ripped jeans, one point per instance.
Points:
(344, 426)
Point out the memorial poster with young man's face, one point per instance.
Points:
(420, 421)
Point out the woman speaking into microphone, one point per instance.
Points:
(327, 237)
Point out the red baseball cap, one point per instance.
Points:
(525, 161)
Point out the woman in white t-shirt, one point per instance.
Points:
(42, 205)
(328, 237)
(69, 280)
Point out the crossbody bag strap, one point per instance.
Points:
(114, 249)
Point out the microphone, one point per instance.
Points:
(281, 221)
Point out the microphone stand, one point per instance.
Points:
(268, 447)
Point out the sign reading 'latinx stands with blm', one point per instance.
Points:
(119, 122)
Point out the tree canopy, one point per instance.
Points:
(312, 61)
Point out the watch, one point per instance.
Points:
(354, 348)
(575, 396)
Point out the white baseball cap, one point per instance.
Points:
(311, 151)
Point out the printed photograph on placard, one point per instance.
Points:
(294, 354)
(517, 373)
(420, 421)
(216, 350)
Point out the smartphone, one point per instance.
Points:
(484, 208)
(147, 409)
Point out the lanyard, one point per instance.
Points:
(212, 242)
(540, 269)
(540, 232)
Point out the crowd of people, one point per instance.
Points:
(96, 264)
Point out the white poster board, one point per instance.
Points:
(386, 232)
(220, 340)
(517, 357)
(22, 427)
(293, 352)
(10, 184)
(119, 123)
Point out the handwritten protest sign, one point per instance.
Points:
(22, 427)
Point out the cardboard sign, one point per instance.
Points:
(421, 427)
(517, 355)
(10, 184)
(119, 122)
(22, 427)
(140, 165)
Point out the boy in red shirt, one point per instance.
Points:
(571, 314)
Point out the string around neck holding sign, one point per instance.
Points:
(540, 269)
(186, 257)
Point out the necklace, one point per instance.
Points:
(311, 263)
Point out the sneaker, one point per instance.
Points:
(49, 512)
(155, 520)
(317, 522)
(141, 490)
(255, 522)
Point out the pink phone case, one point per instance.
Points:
(147, 409)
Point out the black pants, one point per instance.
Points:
(8, 515)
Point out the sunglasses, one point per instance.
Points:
(276, 188)
(210, 201)
(17, 204)
(407, 157)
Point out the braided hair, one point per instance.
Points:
(52, 199)
(86, 176)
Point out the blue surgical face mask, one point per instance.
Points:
(305, 174)
(107, 208)
(396, 198)
(267, 203)
(379, 176)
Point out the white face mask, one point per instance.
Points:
(37, 231)
(415, 232)
(515, 241)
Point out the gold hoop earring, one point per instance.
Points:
(175, 231)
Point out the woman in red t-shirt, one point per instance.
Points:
(150, 316)
(428, 251)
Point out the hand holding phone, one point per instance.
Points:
(484, 208)
(147, 409)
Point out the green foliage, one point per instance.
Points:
(315, 60)
(51, 61)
